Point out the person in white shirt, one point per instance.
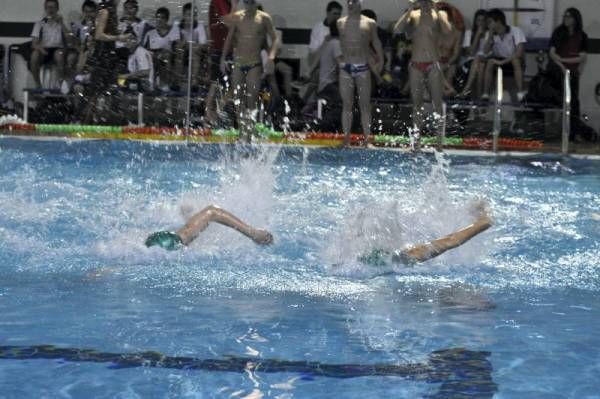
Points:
(161, 42)
(190, 30)
(321, 30)
(507, 47)
(140, 66)
(49, 41)
(131, 23)
(318, 36)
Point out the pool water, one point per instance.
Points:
(522, 317)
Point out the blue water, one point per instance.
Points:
(74, 272)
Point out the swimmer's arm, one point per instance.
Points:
(423, 252)
(200, 221)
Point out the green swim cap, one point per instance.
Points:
(377, 258)
(165, 239)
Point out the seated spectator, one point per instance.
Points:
(568, 48)
(140, 68)
(161, 42)
(474, 54)
(130, 23)
(449, 46)
(191, 31)
(506, 44)
(81, 31)
(49, 42)
(397, 67)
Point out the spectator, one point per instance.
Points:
(190, 32)
(81, 30)
(318, 35)
(568, 47)
(49, 42)
(397, 66)
(474, 53)
(321, 30)
(103, 62)
(161, 42)
(140, 68)
(131, 23)
(217, 14)
(507, 47)
(450, 46)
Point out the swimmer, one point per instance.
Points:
(424, 252)
(426, 26)
(199, 222)
(358, 35)
(248, 32)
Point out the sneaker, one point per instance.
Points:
(521, 96)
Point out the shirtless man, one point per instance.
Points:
(248, 32)
(358, 34)
(426, 25)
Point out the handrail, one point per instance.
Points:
(188, 105)
(498, 109)
(566, 122)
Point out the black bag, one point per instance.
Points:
(543, 89)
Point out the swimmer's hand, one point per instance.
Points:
(262, 237)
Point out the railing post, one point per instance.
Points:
(321, 102)
(498, 109)
(442, 134)
(140, 106)
(566, 118)
(26, 105)
(188, 107)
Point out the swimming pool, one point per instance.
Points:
(302, 318)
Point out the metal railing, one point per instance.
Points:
(566, 116)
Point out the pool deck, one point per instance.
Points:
(589, 151)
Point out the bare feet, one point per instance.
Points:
(262, 237)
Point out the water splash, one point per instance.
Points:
(429, 212)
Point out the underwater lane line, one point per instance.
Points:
(460, 371)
